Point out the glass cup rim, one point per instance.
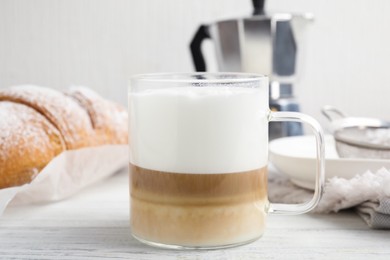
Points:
(196, 77)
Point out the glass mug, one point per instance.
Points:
(198, 159)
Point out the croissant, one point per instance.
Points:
(37, 124)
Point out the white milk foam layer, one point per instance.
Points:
(199, 129)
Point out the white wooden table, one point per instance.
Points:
(94, 224)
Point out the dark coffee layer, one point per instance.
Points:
(160, 187)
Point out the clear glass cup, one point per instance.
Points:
(199, 156)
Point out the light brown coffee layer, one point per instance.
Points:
(198, 209)
(197, 226)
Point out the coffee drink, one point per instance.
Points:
(198, 164)
(198, 159)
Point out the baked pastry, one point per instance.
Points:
(28, 141)
(109, 120)
(37, 123)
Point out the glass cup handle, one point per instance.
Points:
(292, 209)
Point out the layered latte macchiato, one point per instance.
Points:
(198, 165)
(198, 159)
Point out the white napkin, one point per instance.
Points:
(369, 193)
(68, 173)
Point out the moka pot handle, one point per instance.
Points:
(197, 56)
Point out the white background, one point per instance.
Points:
(101, 43)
